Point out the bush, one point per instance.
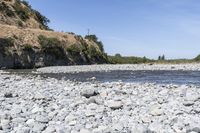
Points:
(20, 23)
(8, 42)
(118, 59)
(28, 47)
(22, 12)
(26, 4)
(52, 46)
(41, 19)
(95, 39)
(5, 44)
(49, 42)
(197, 58)
(73, 49)
(4, 8)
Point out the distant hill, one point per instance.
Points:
(27, 42)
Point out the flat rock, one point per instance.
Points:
(72, 123)
(156, 111)
(89, 93)
(114, 104)
(42, 119)
(39, 96)
(188, 103)
(37, 109)
(30, 122)
(49, 129)
(38, 127)
(84, 131)
(5, 124)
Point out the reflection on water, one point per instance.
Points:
(158, 76)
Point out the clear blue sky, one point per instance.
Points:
(131, 27)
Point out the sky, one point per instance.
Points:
(130, 27)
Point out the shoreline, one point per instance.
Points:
(108, 67)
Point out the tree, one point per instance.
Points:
(144, 59)
(159, 57)
(95, 39)
(118, 55)
(163, 57)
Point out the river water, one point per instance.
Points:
(158, 76)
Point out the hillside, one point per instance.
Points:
(20, 14)
(33, 45)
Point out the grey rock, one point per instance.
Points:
(23, 130)
(30, 122)
(72, 123)
(16, 110)
(5, 124)
(39, 96)
(138, 128)
(8, 95)
(114, 104)
(188, 103)
(42, 119)
(100, 129)
(37, 109)
(84, 131)
(49, 129)
(90, 113)
(38, 127)
(18, 120)
(156, 111)
(89, 93)
(118, 127)
(195, 130)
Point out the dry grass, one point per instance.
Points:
(30, 36)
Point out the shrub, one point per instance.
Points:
(4, 8)
(8, 42)
(20, 23)
(26, 4)
(28, 47)
(5, 44)
(197, 58)
(49, 42)
(52, 46)
(41, 19)
(22, 12)
(118, 59)
(95, 39)
(73, 49)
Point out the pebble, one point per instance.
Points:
(89, 93)
(51, 105)
(114, 104)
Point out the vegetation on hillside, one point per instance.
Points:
(197, 58)
(6, 10)
(95, 39)
(58, 48)
(5, 44)
(52, 46)
(23, 11)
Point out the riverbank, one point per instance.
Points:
(93, 68)
(33, 103)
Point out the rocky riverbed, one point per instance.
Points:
(36, 104)
(93, 68)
